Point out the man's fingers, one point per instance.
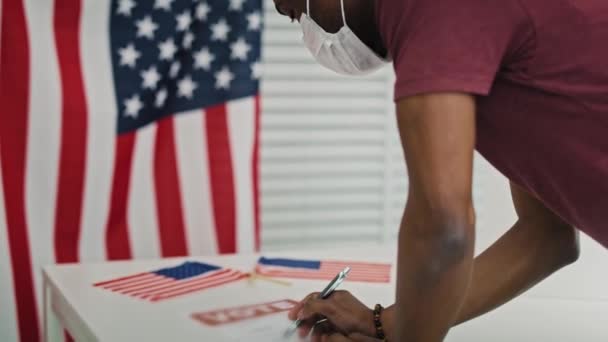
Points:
(293, 313)
(307, 325)
(327, 308)
(320, 330)
(322, 307)
(304, 329)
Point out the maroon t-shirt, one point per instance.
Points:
(539, 69)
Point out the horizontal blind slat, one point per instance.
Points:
(333, 214)
(321, 136)
(325, 201)
(371, 88)
(309, 71)
(342, 103)
(327, 167)
(326, 119)
(288, 153)
(296, 185)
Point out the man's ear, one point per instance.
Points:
(276, 6)
(361, 18)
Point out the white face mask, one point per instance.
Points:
(342, 52)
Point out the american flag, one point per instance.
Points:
(128, 129)
(172, 282)
(323, 269)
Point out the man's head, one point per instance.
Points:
(360, 17)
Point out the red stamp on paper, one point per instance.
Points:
(242, 313)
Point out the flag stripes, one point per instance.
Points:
(255, 174)
(154, 287)
(241, 134)
(197, 286)
(222, 182)
(117, 231)
(193, 167)
(101, 141)
(8, 320)
(14, 86)
(168, 200)
(142, 196)
(70, 186)
(360, 271)
(44, 123)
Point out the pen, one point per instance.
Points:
(331, 287)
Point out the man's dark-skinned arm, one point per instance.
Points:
(537, 245)
(436, 239)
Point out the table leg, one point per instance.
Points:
(53, 331)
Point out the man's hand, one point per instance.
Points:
(346, 315)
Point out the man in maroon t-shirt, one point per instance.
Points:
(523, 82)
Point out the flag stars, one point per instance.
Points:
(254, 21)
(175, 67)
(150, 78)
(174, 75)
(129, 55)
(236, 5)
(203, 59)
(223, 78)
(186, 87)
(125, 7)
(220, 30)
(240, 49)
(167, 49)
(161, 98)
(183, 21)
(256, 70)
(132, 106)
(202, 11)
(188, 39)
(146, 27)
(163, 4)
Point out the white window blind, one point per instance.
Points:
(332, 166)
(325, 147)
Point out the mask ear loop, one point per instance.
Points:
(308, 7)
(343, 12)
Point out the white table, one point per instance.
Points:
(92, 314)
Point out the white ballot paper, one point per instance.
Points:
(265, 322)
(264, 329)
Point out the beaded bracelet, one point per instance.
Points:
(378, 324)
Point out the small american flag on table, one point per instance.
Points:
(172, 282)
(323, 269)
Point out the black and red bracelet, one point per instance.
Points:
(378, 323)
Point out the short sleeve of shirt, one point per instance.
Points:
(445, 45)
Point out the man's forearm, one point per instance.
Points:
(521, 258)
(434, 270)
